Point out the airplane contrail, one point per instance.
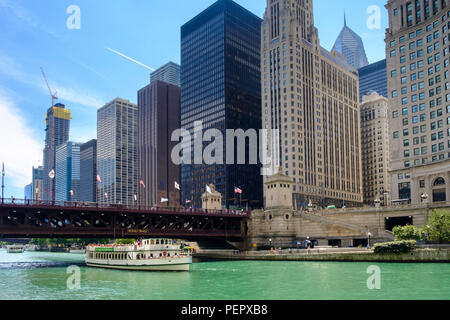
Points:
(131, 59)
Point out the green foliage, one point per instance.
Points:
(438, 226)
(404, 246)
(42, 242)
(125, 241)
(406, 233)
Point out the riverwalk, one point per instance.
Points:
(328, 254)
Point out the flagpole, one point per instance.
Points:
(3, 181)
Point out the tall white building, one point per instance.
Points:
(67, 172)
(117, 152)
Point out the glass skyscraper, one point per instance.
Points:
(220, 86)
(37, 182)
(117, 152)
(88, 171)
(373, 78)
(170, 73)
(57, 120)
(67, 172)
(351, 46)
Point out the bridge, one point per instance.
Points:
(58, 219)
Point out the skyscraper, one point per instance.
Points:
(88, 171)
(373, 78)
(220, 86)
(27, 192)
(117, 152)
(159, 116)
(37, 181)
(312, 97)
(57, 120)
(350, 45)
(375, 148)
(418, 81)
(67, 172)
(170, 73)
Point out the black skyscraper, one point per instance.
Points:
(220, 86)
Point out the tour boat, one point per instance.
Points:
(144, 255)
(15, 248)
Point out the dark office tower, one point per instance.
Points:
(57, 120)
(158, 117)
(88, 171)
(169, 73)
(373, 78)
(221, 87)
(350, 45)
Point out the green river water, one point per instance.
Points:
(43, 275)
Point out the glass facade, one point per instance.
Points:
(117, 152)
(373, 78)
(350, 45)
(220, 86)
(88, 171)
(37, 188)
(67, 172)
(57, 120)
(170, 73)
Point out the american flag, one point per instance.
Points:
(98, 179)
(142, 183)
(177, 186)
(188, 201)
(106, 195)
(237, 190)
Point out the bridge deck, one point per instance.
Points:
(20, 218)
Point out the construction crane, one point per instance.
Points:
(54, 97)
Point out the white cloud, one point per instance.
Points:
(19, 148)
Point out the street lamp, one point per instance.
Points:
(270, 243)
(368, 236)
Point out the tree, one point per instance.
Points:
(125, 241)
(407, 232)
(438, 227)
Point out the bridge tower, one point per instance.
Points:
(212, 200)
(278, 191)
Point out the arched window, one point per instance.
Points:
(439, 182)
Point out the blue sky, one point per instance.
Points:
(86, 75)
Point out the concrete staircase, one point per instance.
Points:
(334, 222)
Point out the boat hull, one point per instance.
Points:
(181, 264)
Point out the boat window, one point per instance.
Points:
(168, 254)
(152, 242)
(157, 241)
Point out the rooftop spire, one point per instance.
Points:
(345, 20)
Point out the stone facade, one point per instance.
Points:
(375, 148)
(312, 97)
(417, 52)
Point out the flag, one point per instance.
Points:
(106, 195)
(164, 200)
(98, 179)
(51, 174)
(71, 193)
(177, 186)
(188, 201)
(142, 183)
(237, 190)
(208, 189)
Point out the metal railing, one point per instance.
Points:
(121, 207)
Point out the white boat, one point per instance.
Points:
(77, 251)
(144, 255)
(30, 247)
(15, 248)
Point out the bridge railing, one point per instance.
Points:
(122, 207)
